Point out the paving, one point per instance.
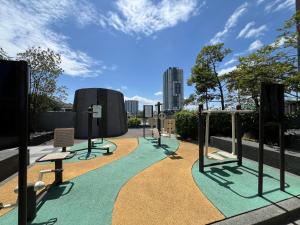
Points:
(235, 188)
(93, 195)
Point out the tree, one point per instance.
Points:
(205, 76)
(3, 54)
(289, 42)
(45, 70)
(265, 65)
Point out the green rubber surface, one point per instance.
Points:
(233, 189)
(82, 151)
(89, 199)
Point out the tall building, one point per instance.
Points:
(173, 89)
(132, 107)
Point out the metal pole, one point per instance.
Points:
(261, 143)
(282, 157)
(144, 120)
(200, 139)
(90, 128)
(23, 156)
(239, 137)
(233, 133)
(206, 135)
(158, 124)
(298, 45)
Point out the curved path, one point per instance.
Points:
(71, 170)
(89, 199)
(165, 193)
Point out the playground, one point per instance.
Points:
(154, 178)
(141, 183)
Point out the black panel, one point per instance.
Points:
(10, 74)
(273, 102)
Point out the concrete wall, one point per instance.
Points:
(48, 121)
(250, 151)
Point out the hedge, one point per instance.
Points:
(220, 125)
(134, 122)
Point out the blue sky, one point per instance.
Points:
(127, 44)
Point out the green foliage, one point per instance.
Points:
(186, 124)
(3, 55)
(45, 70)
(265, 65)
(204, 73)
(134, 122)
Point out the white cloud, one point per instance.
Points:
(260, 1)
(249, 32)
(231, 22)
(226, 70)
(26, 24)
(256, 32)
(278, 5)
(142, 100)
(230, 62)
(255, 45)
(147, 17)
(245, 30)
(158, 93)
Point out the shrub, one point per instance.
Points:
(186, 124)
(134, 122)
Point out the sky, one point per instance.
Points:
(126, 45)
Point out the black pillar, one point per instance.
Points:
(23, 156)
(58, 171)
(159, 124)
(90, 128)
(261, 142)
(282, 157)
(239, 136)
(200, 138)
(144, 121)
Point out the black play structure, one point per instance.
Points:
(271, 113)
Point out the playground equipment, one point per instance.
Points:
(147, 113)
(63, 138)
(32, 197)
(271, 113)
(169, 127)
(152, 124)
(160, 117)
(236, 134)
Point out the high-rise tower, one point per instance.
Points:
(173, 89)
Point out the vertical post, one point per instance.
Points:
(233, 133)
(90, 128)
(144, 121)
(239, 137)
(200, 139)
(64, 149)
(159, 124)
(58, 172)
(206, 134)
(282, 157)
(298, 48)
(261, 142)
(23, 154)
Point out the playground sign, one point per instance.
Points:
(148, 111)
(97, 111)
(162, 116)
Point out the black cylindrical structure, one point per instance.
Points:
(113, 122)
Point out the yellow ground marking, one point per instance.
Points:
(166, 193)
(71, 170)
